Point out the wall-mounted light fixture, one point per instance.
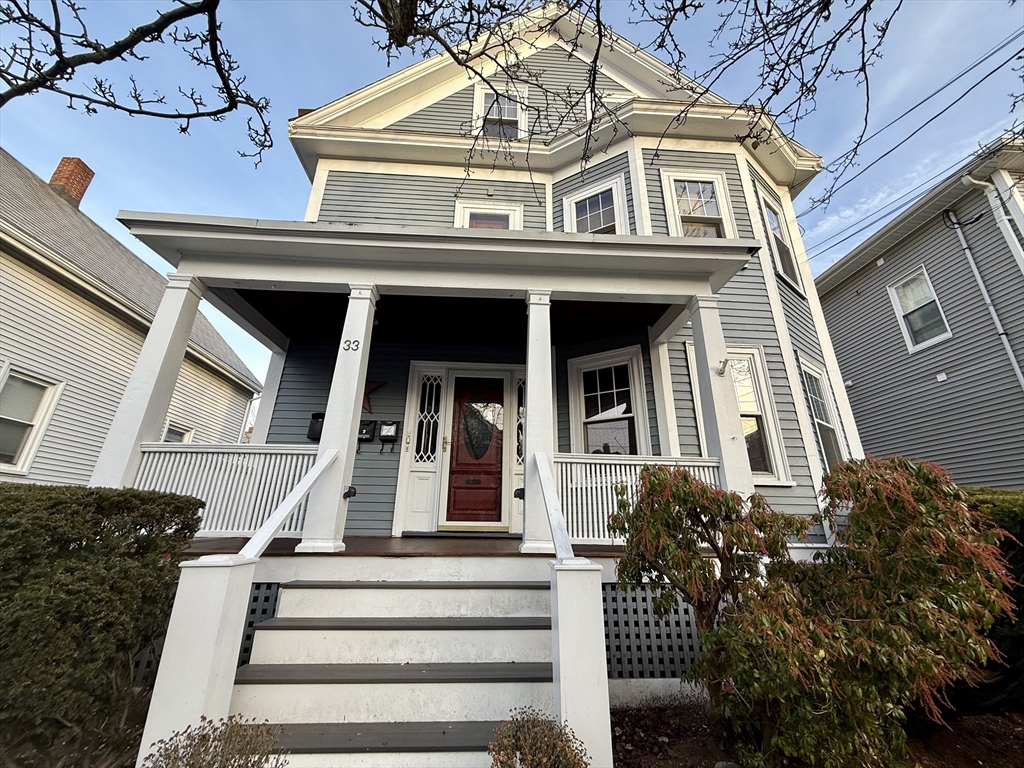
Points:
(720, 370)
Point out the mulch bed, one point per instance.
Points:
(684, 737)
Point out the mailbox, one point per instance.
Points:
(316, 427)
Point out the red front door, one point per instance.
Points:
(474, 475)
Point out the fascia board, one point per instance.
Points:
(69, 274)
(440, 249)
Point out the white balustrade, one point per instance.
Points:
(587, 483)
(241, 484)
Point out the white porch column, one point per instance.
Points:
(140, 415)
(268, 397)
(664, 399)
(325, 519)
(540, 420)
(721, 412)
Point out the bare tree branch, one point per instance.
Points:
(37, 54)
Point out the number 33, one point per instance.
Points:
(349, 345)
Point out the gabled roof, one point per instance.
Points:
(36, 217)
(1002, 153)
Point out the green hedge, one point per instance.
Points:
(87, 578)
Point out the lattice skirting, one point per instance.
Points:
(262, 606)
(638, 644)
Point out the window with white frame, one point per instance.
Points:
(606, 398)
(598, 210)
(697, 205)
(471, 214)
(780, 243)
(26, 405)
(178, 434)
(753, 416)
(500, 116)
(917, 307)
(820, 404)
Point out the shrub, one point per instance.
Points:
(87, 578)
(230, 743)
(530, 740)
(818, 662)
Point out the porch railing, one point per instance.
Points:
(241, 484)
(587, 483)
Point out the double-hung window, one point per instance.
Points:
(829, 445)
(752, 414)
(781, 246)
(598, 210)
(608, 403)
(500, 116)
(696, 203)
(917, 307)
(26, 404)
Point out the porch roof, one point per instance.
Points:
(233, 252)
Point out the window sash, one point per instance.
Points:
(596, 214)
(917, 306)
(752, 413)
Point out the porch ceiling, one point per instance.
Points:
(450, 320)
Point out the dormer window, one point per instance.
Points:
(697, 204)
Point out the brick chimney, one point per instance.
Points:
(71, 179)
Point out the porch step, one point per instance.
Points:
(364, 599)
(321, 674)
(330, 640)
(342, 738)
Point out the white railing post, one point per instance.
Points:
(540, 420)
(720, 409)
(140, 414)
(328, 503)
(197, 667)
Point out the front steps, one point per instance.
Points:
(414, 672)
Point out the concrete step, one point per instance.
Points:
(330, 640)
(366, 599)
(395, 693)
(361, 568)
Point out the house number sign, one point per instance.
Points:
(350, 345)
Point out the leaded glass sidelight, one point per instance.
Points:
(428, 422)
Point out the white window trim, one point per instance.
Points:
(830, 405)
(633, 357)
(519, 93)
(770, 242)
(187, 433)
(668, 179)
(773, 427)
(46, 408)
(465, 207)
(617, 184)
(898, 309)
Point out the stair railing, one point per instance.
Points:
(577, 632)
(197, 668)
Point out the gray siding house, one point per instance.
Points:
(75, 307)
(470, 356)
(927, 319)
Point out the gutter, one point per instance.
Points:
(999, 212)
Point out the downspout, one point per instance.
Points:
(988, 299)
(1000, 214)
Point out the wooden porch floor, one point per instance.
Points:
(388, 546)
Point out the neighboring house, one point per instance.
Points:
(927, 318)
(75, 308)
(475, 364)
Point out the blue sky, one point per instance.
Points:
(305, 53)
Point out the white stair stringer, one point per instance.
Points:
(363, 673)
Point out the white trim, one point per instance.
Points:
(187, 433)
(617, 184)
(402, 168)
(901, 315)
(773, 427)
(641, 205)
(518, 93)
(463, 208)
(1003, 190)
(787, 235)
(691, 367)
(316, 193)
(664, 399)
(631, 356)
(671, 175)
(40, 420)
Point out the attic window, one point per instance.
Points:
(599, 209)
(500, 117)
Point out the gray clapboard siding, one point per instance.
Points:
(607, 169)
(695, 161)
(566, 353)
(562, 77)
(305, 383)
(424, 201)
(971, 422)
(452, 114)
(50, 331)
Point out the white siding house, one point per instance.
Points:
(927, 317)
(470, 358)
(75, 306)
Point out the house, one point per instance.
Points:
(465, 367)
(75, 309)
(927, 318)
